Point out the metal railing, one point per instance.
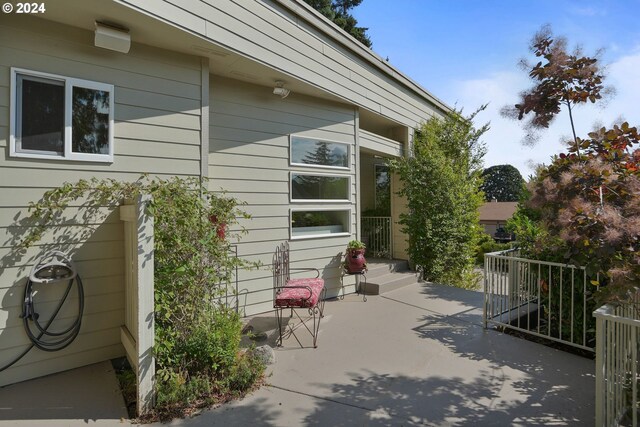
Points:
(545, 299)
(617, 333)
(376, 235)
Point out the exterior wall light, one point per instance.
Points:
(280, 90)
(112, 38)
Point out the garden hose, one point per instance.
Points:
(59, 270)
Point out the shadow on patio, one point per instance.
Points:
(416, 356)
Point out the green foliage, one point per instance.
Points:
(441, 182)
(338, 11)
(560, 78)
(503, 183)
(486, 245)
(591, 201)
(197, 336)
(355, 244)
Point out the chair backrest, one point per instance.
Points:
(280, 267)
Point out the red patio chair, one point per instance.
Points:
(303, 293)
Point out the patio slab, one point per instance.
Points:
(85, 396)
(415, 356)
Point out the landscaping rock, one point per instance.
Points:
(266, 354)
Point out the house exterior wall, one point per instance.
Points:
(291, 37)
(381, 145)
(249, 158)
(157, 130)
(490, 227)
(368, 180)
(398, 207)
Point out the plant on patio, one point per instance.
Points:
(356, 263)
(441, 181)
(198, 358)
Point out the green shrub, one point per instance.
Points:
(488, 245)
(197, 337)
(440, 182)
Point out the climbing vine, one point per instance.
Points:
(197, 335)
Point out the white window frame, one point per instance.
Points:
(292, 200)
(69, 84)
(309, 165)
(316, 209)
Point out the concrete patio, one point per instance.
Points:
(414, 356)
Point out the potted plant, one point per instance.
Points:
(355, 257)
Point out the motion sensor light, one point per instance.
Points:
(280, 90)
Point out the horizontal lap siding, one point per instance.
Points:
(380, 144)
(157, 131)
(249, 158)
(267, 32)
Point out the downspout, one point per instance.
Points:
(356, 133)
(204, 118)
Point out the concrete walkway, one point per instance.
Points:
(85, 396)
(415, 356)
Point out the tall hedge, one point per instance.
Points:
(440, 181)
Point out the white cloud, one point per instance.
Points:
(504, 137)
(588, 11)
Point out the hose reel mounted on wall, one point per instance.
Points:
(53, 269)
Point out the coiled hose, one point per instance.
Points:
(40, 336)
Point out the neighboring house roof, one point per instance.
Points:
(497, 211)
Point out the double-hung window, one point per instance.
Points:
(322, 184)
(56, 117)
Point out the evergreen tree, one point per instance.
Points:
(503, 183)
(338, 11)
(321, 156)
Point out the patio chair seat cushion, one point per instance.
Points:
(299, 297)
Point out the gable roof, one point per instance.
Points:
(497, 211)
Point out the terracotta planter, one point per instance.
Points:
(356, 263)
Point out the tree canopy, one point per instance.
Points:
(338, 11)
(503, 183)
(560, 78)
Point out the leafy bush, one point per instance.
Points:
(197, 339)
(590, 199)
(487, 245)
(440, 182)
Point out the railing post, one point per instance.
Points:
(513, 285)
(486, 291)
(600, 367)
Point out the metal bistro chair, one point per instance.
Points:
(306, 293)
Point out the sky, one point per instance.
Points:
(466, 53)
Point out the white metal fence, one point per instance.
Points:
(617, 338)
(540, 298)
(376, 234)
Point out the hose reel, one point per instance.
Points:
(52, 269)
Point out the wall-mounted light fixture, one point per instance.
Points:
(112, 37)
(280, 90)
